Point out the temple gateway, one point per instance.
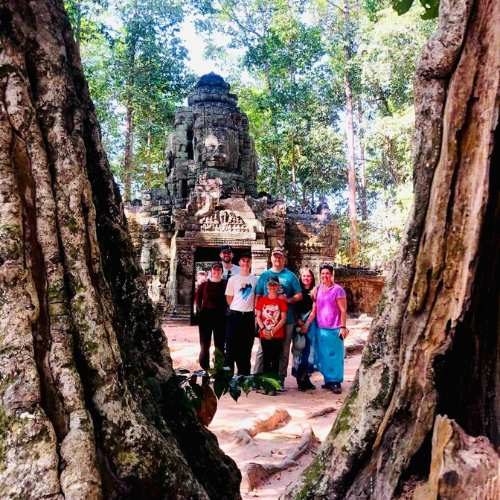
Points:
(210, 200)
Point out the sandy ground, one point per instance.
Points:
(270, 447)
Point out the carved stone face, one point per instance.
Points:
(217, 148)
(214, 152)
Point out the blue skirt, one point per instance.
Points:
(329, 354)
(303, 361)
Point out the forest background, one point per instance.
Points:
(327, 86)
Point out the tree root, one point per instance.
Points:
(256, 474)
(322, 412)
(278, 419)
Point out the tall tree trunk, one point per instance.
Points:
(293, 171)
(148, 174)
(434, 349)
(128, 156)
(89, 405)
(349, 129)
(362, 164)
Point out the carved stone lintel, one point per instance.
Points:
(223, 221)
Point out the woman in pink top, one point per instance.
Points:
(330, 311)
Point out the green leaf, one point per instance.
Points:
(235, 392)
(218, 360)
(431, 9)
(402, 6)
(248, 384)
(220, 387)
(192, 395)
(267, 382)
(198, 391)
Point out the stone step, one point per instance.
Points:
(180, 315)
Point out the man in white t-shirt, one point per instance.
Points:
(240, 326)
(226, 256)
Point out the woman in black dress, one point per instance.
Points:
(302, 341)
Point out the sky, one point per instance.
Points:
(196, 47)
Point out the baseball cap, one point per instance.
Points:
(226, 248)
(278, 250)
(273, 281)
(216, 265)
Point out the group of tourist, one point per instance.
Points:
(284, 311)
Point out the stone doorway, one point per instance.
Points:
(204, 257)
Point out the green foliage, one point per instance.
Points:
(387, 56)
(134, 61)
(85, 18)
(223, 382)
(431, 7)
(381, 235)
(388, 144)
(288, 96)
(292, 60)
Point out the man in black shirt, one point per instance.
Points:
(211, 304)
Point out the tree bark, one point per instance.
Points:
(434, 348)
(128, 154)
(90, 407)
(461, 465)
(363, 204)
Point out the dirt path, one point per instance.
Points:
(270, 447)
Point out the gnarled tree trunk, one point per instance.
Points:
(89, 405)
(434, 349)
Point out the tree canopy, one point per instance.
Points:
(327, 87)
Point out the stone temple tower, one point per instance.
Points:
(210, 199)
(211, 139)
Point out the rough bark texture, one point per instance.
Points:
(128, 156)
(89, 407)
(461, 467)
(434, 347)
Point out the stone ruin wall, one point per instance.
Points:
(363, 289)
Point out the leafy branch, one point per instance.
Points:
(223, 381)
(431, 7)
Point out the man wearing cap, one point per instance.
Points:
(240, 329)
(226, 256)
(291, 291)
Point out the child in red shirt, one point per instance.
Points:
(270, 312)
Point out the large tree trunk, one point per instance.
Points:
(89, 404)
(434, 349)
